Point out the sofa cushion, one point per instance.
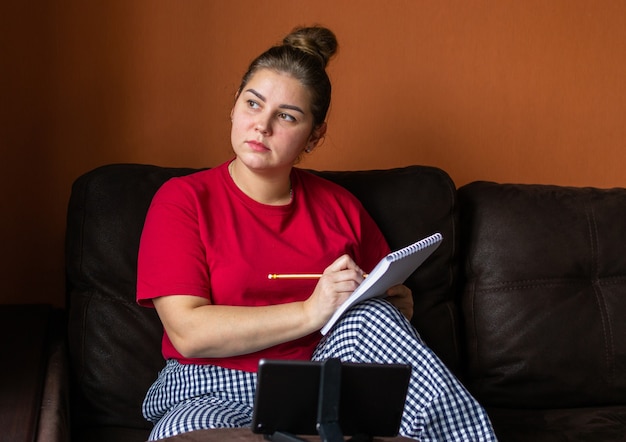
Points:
(595, 424)
(115, 344)
(545, 294)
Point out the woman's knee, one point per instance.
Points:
(372, 323)
(378, 312)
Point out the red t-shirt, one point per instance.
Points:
(204, 237)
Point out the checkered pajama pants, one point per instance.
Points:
(437, 408)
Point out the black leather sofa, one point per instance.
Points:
(525, 300)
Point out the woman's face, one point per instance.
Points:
(272, 122)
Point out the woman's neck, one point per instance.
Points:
(270, 189)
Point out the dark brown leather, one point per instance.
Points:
(54, 413)
(544, 301)
(525, 299)
(23, 330)
(115, 344)
(593, 424)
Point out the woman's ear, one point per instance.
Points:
(318, 133)
(232, 111)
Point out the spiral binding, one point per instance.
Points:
(420, 245)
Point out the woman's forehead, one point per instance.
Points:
(279, 86)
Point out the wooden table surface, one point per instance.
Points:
(246, 435)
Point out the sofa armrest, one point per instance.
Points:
(54, 416)
(25, 331)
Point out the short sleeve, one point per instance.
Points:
(171, 254)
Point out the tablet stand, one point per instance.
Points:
(327, 408)
(328, 405)
(328, 402)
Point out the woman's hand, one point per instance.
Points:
(338, 282)
(402, 298)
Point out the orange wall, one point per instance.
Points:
(525, 91)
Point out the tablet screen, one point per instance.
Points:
(371, 401)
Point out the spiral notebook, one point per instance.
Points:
(392, 270)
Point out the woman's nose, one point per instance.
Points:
(263, 125)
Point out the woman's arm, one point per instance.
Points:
(198, 329)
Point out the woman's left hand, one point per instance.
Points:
(402, 298)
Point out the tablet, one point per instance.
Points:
(371, 399)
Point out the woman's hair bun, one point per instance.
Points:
(317, 41)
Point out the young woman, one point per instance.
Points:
(211, 238)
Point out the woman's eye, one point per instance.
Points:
(286, 117)
(252, 104)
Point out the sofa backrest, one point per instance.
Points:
(544, 298)
(115, 344)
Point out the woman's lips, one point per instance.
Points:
(255, 145)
